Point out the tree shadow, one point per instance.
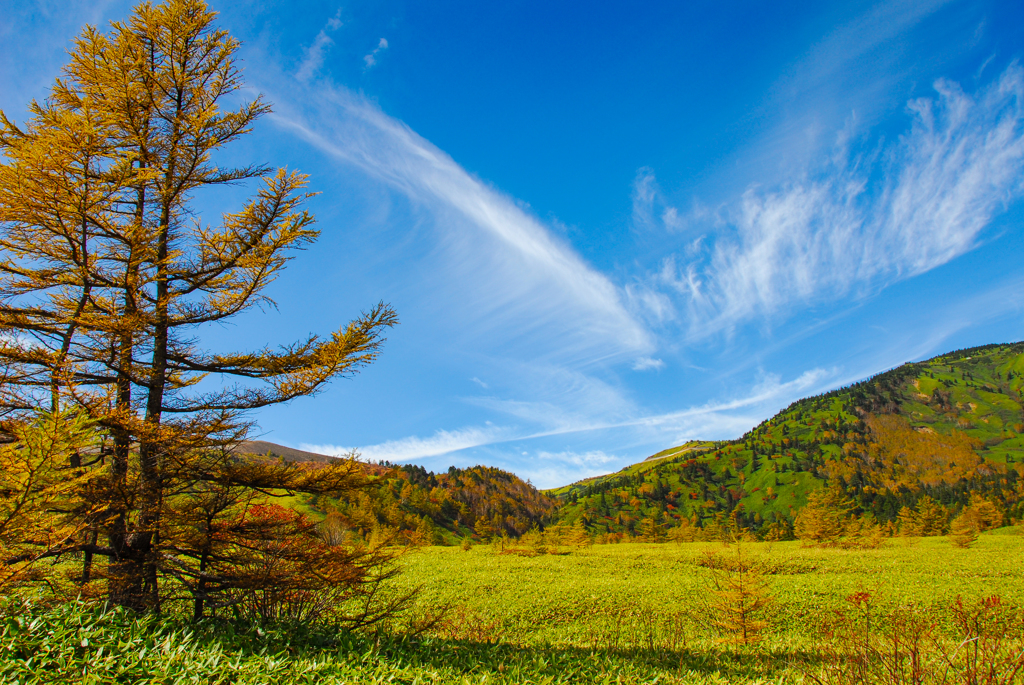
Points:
(507, 661)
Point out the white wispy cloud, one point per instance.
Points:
(317, 52)
(865, 221)
(513, 273)
(652, 211)
(712, 419)
(646, 195)
(553, 469)
(508, 288)
(557, 398)
(648, 363)
(371, 59)
(831, 63)
(769, 391)
(414, 447)
(725, 418)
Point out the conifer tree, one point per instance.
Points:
(825, 517)
(484, 529)
(982, 514)
(684, 532)
(931, 517)
(963, 532)
(652, 529)
(739, 598)
(908, 522)
(106, 275)
(578, 536)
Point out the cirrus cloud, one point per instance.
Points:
(870, 218)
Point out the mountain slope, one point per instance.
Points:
(424, 507)
(263, 448)
(946, 427)
(481, 501)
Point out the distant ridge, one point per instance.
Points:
(263, 448)
(676, 451)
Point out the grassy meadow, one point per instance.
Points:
(625, 613)
(568, 599)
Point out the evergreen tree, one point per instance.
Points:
(981, 514)
(908, 522)
(578, 536)
(652, 528)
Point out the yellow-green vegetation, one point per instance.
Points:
(137, 545)
(626, 613)
(576, 598)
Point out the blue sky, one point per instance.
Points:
(609, 228)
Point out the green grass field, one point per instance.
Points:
(628, 613)
(626, 599)
(566, 600)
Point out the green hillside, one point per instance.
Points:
(946, 427)
(693, 446)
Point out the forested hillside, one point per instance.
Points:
(428, 508)
(945, 429)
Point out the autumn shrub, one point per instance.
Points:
(464, 624)
(860, 646)
(533, 540)
(43, 498)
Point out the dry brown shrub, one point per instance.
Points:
(991, 647)
(906, 645)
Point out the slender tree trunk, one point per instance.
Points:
(125, 584)
(151, 445)
(87, 557)
(121, 583)
(200, 594)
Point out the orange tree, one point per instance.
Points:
(106, 275)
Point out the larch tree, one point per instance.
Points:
(740, 596)
(106, 276)
(825, 517)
